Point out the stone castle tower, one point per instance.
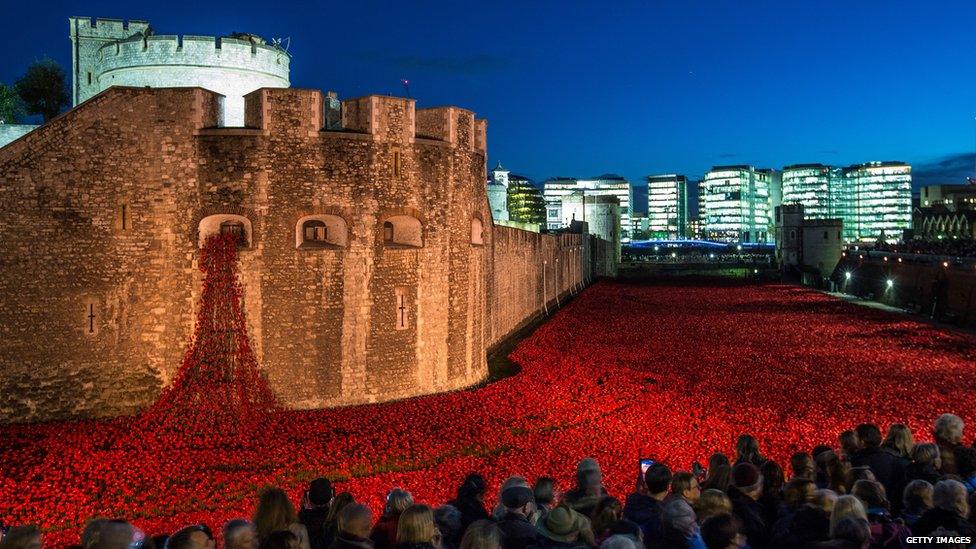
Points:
(113, 52)
(498, 193)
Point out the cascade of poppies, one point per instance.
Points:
(218, 388)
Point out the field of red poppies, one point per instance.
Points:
(670, 371)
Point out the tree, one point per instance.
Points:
(44, 89)
(12, 108)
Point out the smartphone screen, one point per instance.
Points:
(645, 464)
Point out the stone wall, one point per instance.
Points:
(532, 272)
(103, 210)
(113, 53)
(922, 284)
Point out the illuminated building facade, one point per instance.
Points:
(525, 201)
(810, 185)
(945, 212)
(605, 185)
(667, 206)
(873, 199)
(882, 205)
(736, 204)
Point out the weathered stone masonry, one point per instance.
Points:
(103, 209)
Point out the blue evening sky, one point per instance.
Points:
(636, 88)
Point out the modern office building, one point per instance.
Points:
(605, 185)
(951, 197)
(736, 204)
(667, 206)
(810, 185)
(882, 205)
(638, 226)
(525, 201)
(695, 229)
(872, 199)
(945, 212)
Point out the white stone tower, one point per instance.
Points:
(111, 52)
(498, 193)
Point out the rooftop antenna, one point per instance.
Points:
(406, 87)
(277, 42)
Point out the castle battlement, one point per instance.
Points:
(107, 28)
(114, 52)
(193, 50)
(384, 118)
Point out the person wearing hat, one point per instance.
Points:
(315, 509)
(519, 532)
(562, 528)
(746, 489)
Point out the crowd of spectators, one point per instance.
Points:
(868, 491)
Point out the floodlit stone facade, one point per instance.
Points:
(370, 265)
(113, 52)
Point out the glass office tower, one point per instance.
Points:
(882, 202)
(667, 206)
(736, 204)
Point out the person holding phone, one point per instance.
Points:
(646, 504)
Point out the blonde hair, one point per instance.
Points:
(712, 502)
(824, 500)
(273, 513)
(416, 525)
(846, 507)
(949, 428)
(927, 453)
(900, 439)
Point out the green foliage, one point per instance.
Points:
(44, 89)
(12, 108)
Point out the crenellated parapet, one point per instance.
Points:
(108, 29)
(113, 52)
(386, 119)
(192, 51)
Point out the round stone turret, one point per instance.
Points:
(133, 56)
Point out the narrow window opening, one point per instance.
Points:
(388, 232)
(235, 228)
